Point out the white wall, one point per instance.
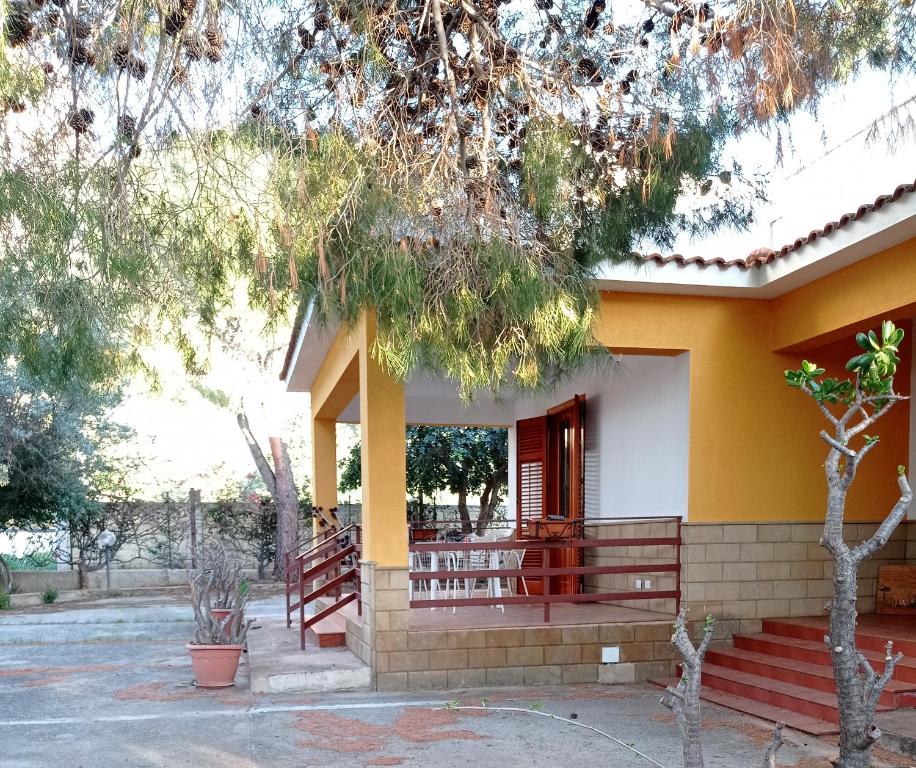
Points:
(637, 436)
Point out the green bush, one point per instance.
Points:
(38, 561)
(49, 596)
(4, 601)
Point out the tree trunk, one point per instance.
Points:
(486, 509)
(684, 700)
(489, 500)
(855, 719)
(287, 502)
(282, 488)
(463, 513)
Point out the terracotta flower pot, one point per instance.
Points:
(214, 665)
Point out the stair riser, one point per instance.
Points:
(329, 640)
(903, 673)
(775, 672)
(773, 698)
(863, 641)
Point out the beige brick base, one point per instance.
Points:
(746, 571)
(400, 659)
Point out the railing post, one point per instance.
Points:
(359, 571)
(289, 621)
(677, 573)
(545, 581)
(301, 608)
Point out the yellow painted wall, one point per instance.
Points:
(755, 453)
(883, 285)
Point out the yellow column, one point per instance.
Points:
(384, 462)
(324, 465)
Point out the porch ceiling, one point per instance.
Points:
(435, 402)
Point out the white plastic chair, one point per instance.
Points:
(516, 555)
(415, 563)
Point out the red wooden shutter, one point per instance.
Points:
(531, 474)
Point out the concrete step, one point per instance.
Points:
(870, 637)
(754, 708)
(278, 666)
(818, 676)
(330, 632)
(777, 693)
(816, 652)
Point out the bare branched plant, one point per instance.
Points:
(684, 699)
(217, 583)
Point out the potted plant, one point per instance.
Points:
(221, 631)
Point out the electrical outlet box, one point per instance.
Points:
(647, 584)
(610, 654)
(638, 583)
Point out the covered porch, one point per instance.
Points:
(423, 602)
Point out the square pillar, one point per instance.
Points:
(324, 462)
(384, 462)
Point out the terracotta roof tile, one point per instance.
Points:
(763, 255)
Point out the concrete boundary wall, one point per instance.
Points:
(128, 578)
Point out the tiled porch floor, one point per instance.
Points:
(561, 614)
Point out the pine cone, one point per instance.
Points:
(214, 48)
(588, 68)
(19, 29)
(193, 47)
(214, 36)
(121, 56)
(126, 126)
(80, 53)
(137, 67)
(81, 119)
(306, 38)
(81, 29)
(322, 22)
(174, 23)
(180, 73)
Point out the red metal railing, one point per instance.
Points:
(338, 556)
(544, 573)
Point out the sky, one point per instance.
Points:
(830, 168)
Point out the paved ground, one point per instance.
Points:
(107, 685)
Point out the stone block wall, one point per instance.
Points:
(385, 611)
(650, 554)
(761, 570)
(548, 655)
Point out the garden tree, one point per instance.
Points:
(55, 449)
(170, 519)
(77, 540)
(462, 460)
(460, 166)
(851, 406)
(282, 487)
(248, 521)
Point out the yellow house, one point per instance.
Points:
(691, 435)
